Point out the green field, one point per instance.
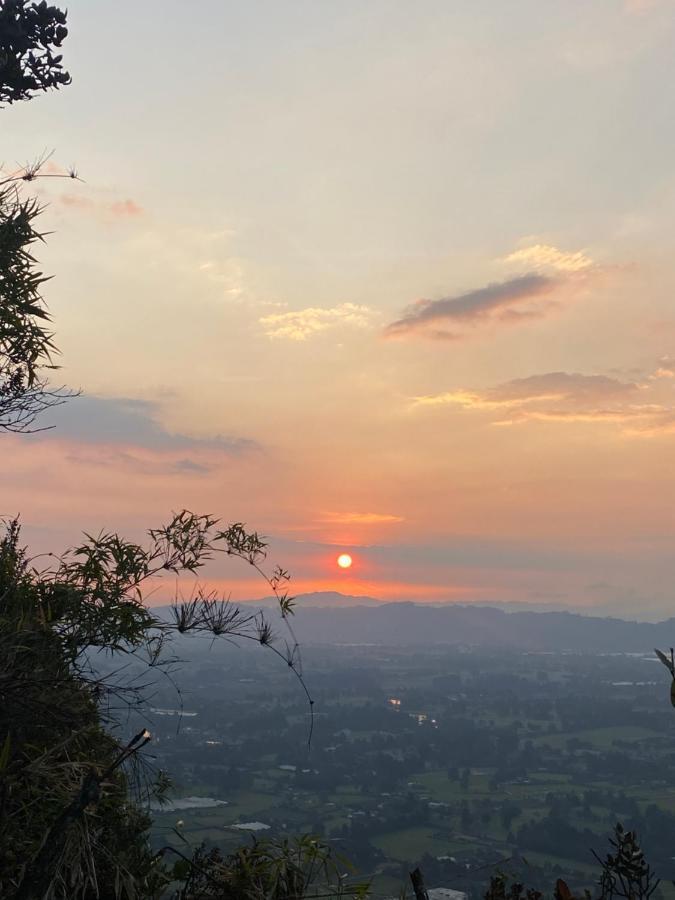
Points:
(275, 800)
(599, 738)
(412, 843)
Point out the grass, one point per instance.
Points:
(346, 797)
(440, 788)
(409, 844)
(250, 802)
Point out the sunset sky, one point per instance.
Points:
(373, 277)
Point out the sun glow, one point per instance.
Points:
(344, 560)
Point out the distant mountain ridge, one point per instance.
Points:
(336, 619)
(322, 599)
(332, 618)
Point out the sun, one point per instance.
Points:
(344, 560)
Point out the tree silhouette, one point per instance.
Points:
(26, 342)
(29, 34)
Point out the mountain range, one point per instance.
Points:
(334, 618)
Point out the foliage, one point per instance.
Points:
(53, 746)
(501, 888)
(94, 596)
(29, 34)
(66, 822)
(302, 867)
(624, 873)
(26, 345)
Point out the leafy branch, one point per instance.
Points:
(29, 34)
(27, 348)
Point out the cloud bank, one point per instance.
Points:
(120, 420)
(113, 430)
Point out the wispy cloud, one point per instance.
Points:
(116, 209)
(547, 257)
(519, 298)
(197, 260)
(567, 398)
(665, 368)
(298, 325)
(545, 276)
(360, 518)
(639, 7)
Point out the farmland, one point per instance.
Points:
(449, 759)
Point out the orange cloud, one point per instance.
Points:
(569, 398)
(356, 518)
(298, 325)
(639, 7)
(119, 209)
(665, 368)
(545, 256)
(125, 208)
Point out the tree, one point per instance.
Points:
(510, 811)
(66, 821)
(26, 345)
(29, 34)
(624, 874)
(53, 749)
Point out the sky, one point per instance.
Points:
(381, 278)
